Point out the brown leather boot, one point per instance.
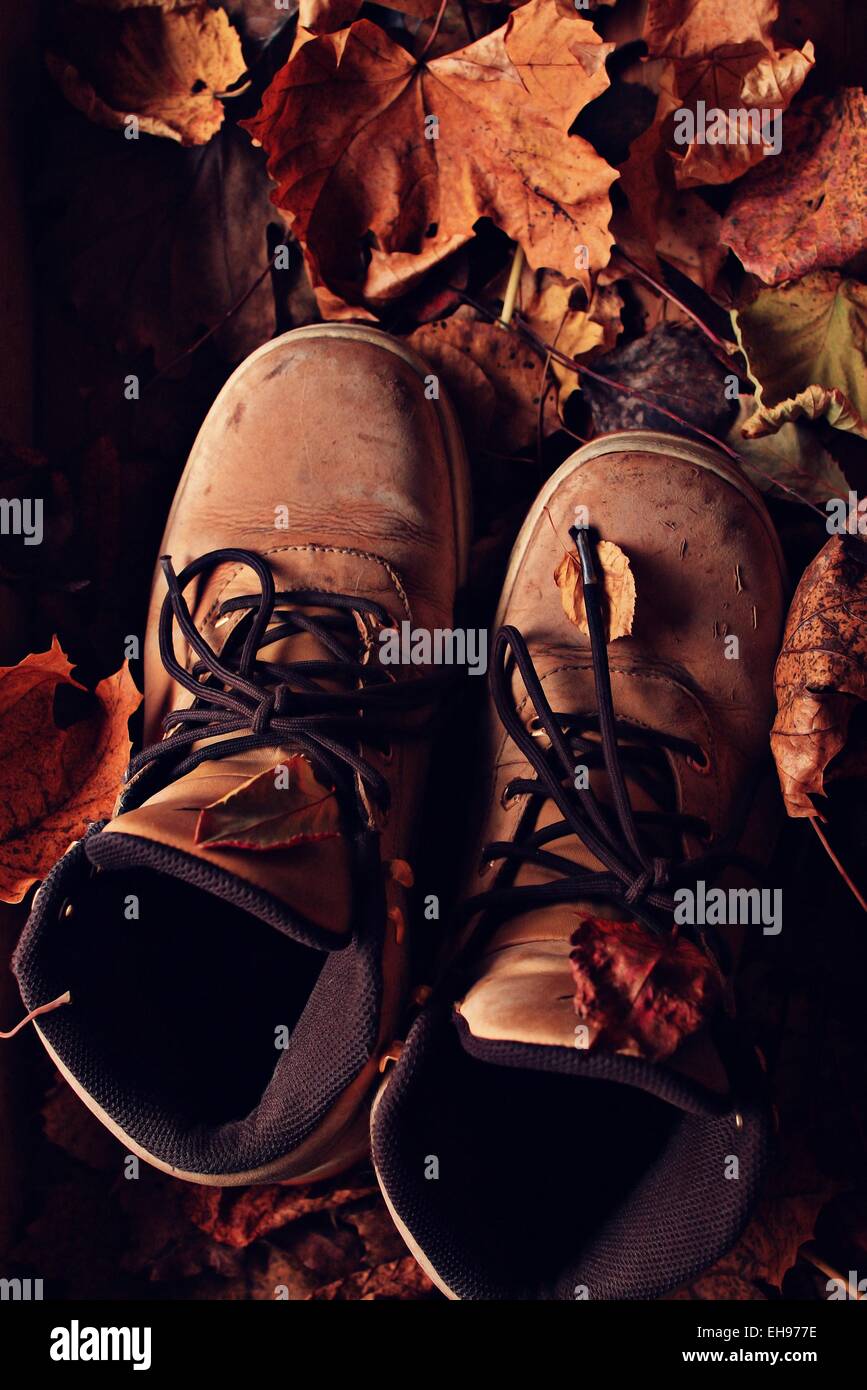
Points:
(236, 972)
(575, 1114)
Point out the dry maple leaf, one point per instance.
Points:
(821, 673)
(618, 590)
(384, 164)
(807, 211)
(660, 221)
(815, 403)
(495, 379)
(279, 808)
(557, 311)
(324, 16)
(809, 333)
(163, 63)
(725, 56)
(56, 779)
(639, 993)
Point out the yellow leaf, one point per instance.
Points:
(618, 587)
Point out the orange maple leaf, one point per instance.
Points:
(384, 163)
(56, 780)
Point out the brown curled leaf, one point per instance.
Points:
(279, 808)
(821, 673)
(639, 994)
(814, 403)
(163, 63)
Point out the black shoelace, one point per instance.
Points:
(634, 877)
(270, 705)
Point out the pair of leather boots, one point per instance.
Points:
(570, 1110)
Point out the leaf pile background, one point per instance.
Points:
(155, 259)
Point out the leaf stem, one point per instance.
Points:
(209, 333)
(728, 348)
(859, 897)
(435, 30)
(512, 287)
(468, 23)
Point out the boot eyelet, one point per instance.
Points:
(485, 867)
(535, 728)
(508, 798)
(703, 767)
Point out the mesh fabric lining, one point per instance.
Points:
(677, 1218)
(327, 1049)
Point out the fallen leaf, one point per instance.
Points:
(839, 34)
(379, 1235)
(54, 1244)
(328, 1256)
(814, 403)
(763, 1254)
(279, 808)
(661, 223)
(160, 1243)
(637, 992)
(194, 227)
(618, 589)
(495, 379)
(325, 16)
(56, 779)
(164, 64)
(793, 457)
(557, 311)
(379, 191)
(821, 673)
(810, 333)
(69, 1125)
(724, 56)
(397, 1279)
(673, 367)
(808, 211)
(259, 20)
(237, 1217)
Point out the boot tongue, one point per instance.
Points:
(306, 883)
(524, 988)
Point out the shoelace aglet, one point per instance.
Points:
(65, 998)
(581, 536)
